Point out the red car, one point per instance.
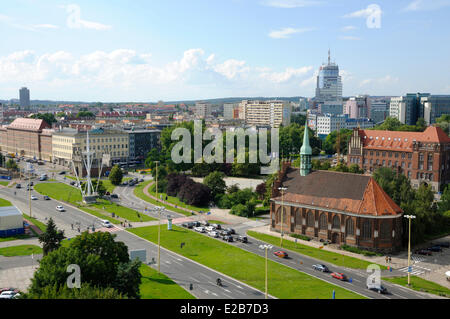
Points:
(339, 276)
(423, 252)
(281, 254)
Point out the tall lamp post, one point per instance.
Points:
(409, 246)
(159, 208)
(266, 248)
(282, 190)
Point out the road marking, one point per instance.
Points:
(240, 292)
(168, 262)
(228, 296)
(227, 290)
(205, 276)
(239, 287)
(206, 292)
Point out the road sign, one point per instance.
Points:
(141, 254)
(409, 269)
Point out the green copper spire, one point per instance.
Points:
(305, 153)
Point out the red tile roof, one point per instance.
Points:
(28, 124)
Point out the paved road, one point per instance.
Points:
(183, 271)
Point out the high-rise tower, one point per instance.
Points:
(24, 94)
(329, 83)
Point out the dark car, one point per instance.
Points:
(242, 239)
(46, 197)
(62, 172)
(379, 289)
(217, 226)
(321, 268)
(30, 184)
(125, 183)
(227, 238)
(435, 248)
(190, 225)
(225, 233)
(141, 180)
(196, 224)
(423, 252)
(444, 244)
(114, 196)
(18, 186)
(185, 225)
(72, 183)
(40, 163)
(231, 230)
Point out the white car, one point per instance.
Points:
(213, 234)
(107, 224)
(59, 208)
(33, 197)
(210, 228)
(199, 229)
(7, 295)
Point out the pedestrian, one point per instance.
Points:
(71, 225)
(390, 259)
(387, 259)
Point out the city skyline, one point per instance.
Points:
(148, 52)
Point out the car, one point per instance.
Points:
(141, 180)
(204, 223)
(9, 289)
(131, 183)
(73, 183)
(281, 254)
(7, 294)
(199, 229)
(339, 276)
(60, 208)
(62, 173)
(377, 288)
(190, 225)
(184, 225)
(210, 228)
(33, 197)
(321, 268)
(18, 186)
(225, 233)
(227, 238)
(42, 178)
(231, 230)
(46, 197)
(435, 248)
(196, 224)
(243, 239)
(30, 184)
(29, 188)
(114, 196)
(423, 252)
(40, 163)
(106, 223)
(443, 244)
(216, 226)
(213, 234)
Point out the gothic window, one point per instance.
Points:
(323, 222)
(310, 219)
(298, 217)
(385, 230)
(350, 227)
(366, 230)
(336, 222)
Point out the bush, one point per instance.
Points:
(195, 194)
(175, 182)
(302, 237)
(360, 251)
(116, 175)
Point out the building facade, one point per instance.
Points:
(24, 96)
(379, 110)
(266, 113)
(424, 157)
(203, 110)
(141, 142)
(433, 107)
(358, 107)
(329, 83)
(406, 108)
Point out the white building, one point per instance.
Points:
(266, 113)
(229, 109)
(329, 123)
(203, 110)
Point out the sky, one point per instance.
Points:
(148, 50)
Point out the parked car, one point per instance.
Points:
(227, 238)
(30, 184)
(281, 254)
(199, 229)
(321, 268)
(210, 228)
(231, 230)
(72, 183)
(377, 288)
(33, 197)
(62, 173)
(242, 239)
(435, 248)
(339, 276)
(46, 197)
(141, 180)
(213, 234)
(40, 163)
(196, 224)
(7, 294)
(190, 225)
(114, 196)
(444, 244)
(125, 183)
(225, 233)
(106, 223)
(60, 208)
(204, 223)
(423, 252)
(18, 186)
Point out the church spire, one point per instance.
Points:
(305, 153)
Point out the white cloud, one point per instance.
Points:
(290, 4)
(365, 13)
(286, 32)
(386, 80)
(349, 38)
(45, 26)
(287, 75)
(426, 5)
(231, 68)
(348, 28)
(74, 20)
(11, 22)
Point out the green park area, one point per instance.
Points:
(121, 211)
(324, 255)
(420, 284)
(139, 192)
(285, 282)
(22, 250)
(36, 222)
(159, 286)
(4, 183)
(60, 191)
(5, 203)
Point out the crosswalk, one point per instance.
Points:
(416, 269)
(109, 230)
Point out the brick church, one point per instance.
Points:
(342, 208)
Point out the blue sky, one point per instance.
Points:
(139, 50)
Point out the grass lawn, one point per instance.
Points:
(124, 212)
(23, 236)
(244, 266)
(22, 250)
(60, 191)
(420, 284)
(36, 222)
(177, 201)
(99, 215)
(4, 183)
(327, 256)
(4, 203)
(159, 286)
(139, 192)
(212, 221)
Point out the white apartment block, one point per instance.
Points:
(203, 110)
(397, 108)
(266, 113)
(228, 110)
(329, 123)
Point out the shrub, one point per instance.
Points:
(360, 251)
(195, 194)
(302, 237)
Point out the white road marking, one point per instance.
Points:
(227, 290)
(228, 296)
(205, 276)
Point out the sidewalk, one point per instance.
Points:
(146, 192)
(19, 242)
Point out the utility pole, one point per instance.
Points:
(409, 246)
(159, 220)
(266, 248)
(282, 189)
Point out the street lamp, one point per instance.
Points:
(156, 162)
(159, 209)
(266, 248)
(282, 190)
(409, 246)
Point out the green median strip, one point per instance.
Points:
(420, 284)
(60, 191)
(139, 192)
(124, 212)
(99, 215)
(5, 203)
(284, 282)
(37, 223)
(21, 250)
(324, 255)
(159, 286)
(16, 237)
(4, 183)
(176, 201)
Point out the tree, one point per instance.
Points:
(51, 238)
(174, 183)
(444, 123)
(215, 183)
(85, 292)
(128, 278)
(354, 168)
(49, 118)
(101, 189)
(11, 165)
(261, 190)
(299, 119)
(444, 204)
(195, 194)
(116, 175)
(330, 144)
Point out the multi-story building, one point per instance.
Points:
(406, 108)
(335, 108)
(267, 113)
(69, 145)
(229, 110)
(141, 142)
(433, 107)
(328, 123)
(28, 138)
(379, 110)
(424, 157)
(24, 95)
(329, 84)
(203, 110)
(358, 107)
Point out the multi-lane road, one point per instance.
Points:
(185, 271)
